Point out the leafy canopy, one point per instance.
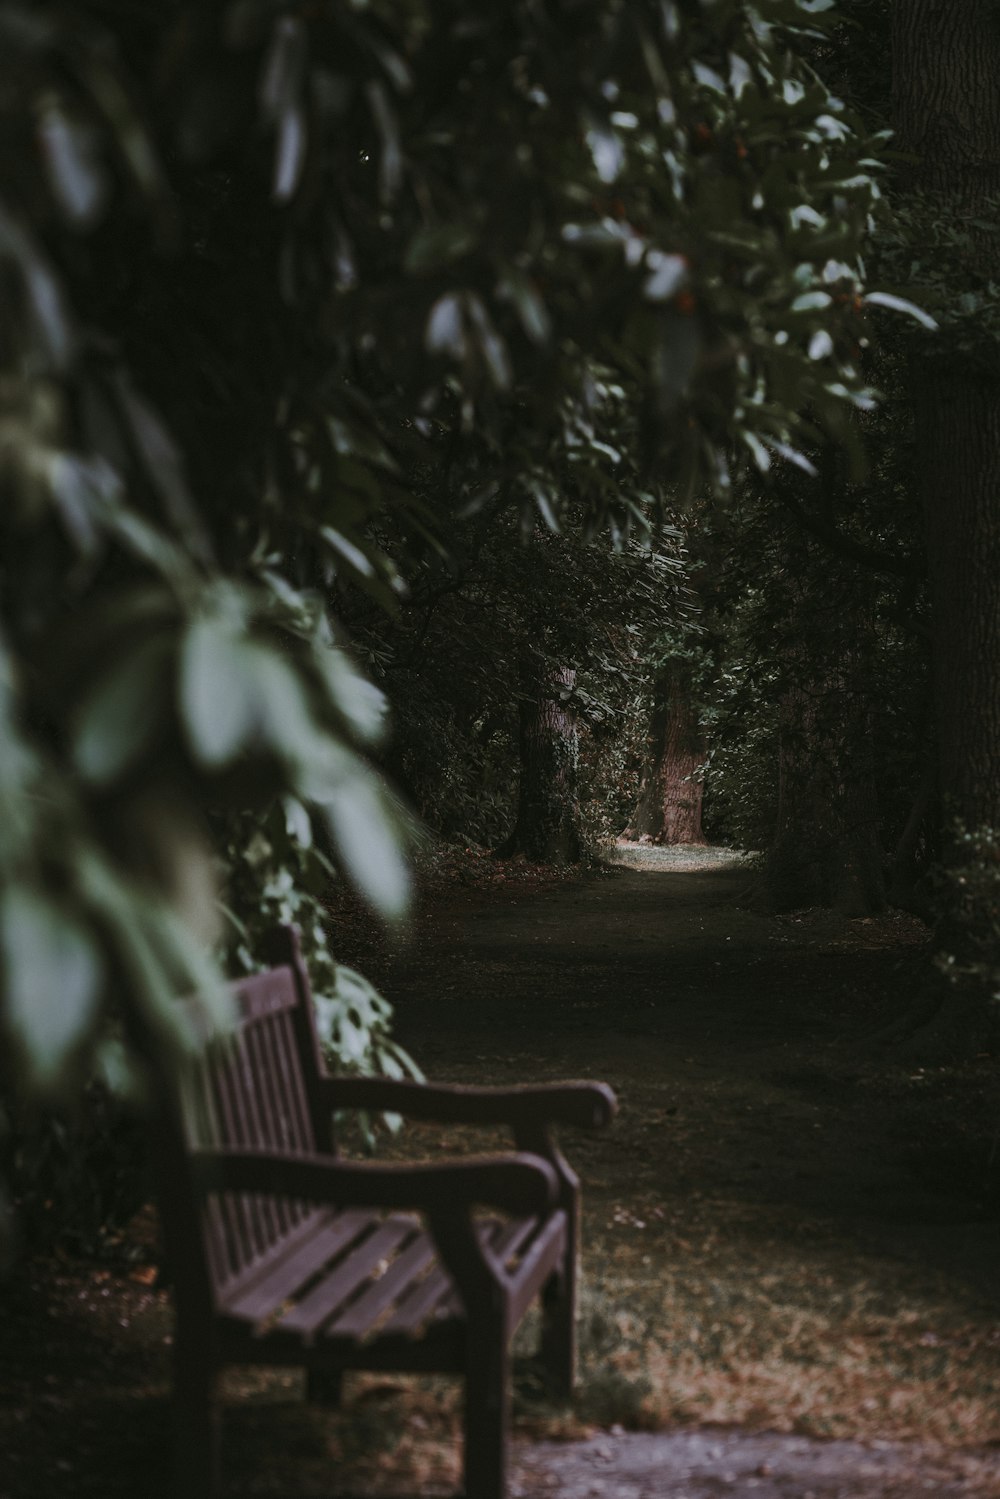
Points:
(268, 270)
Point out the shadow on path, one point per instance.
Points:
(841, 1212)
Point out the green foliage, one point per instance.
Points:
(492, 626)
(277, 876)
(741, 791)
(944, 263)
(809, 645)
(271, 273)
(612, 759)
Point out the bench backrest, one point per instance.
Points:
(256, 1087)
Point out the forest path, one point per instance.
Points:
(791, 1246)
(783, 1231)
(667, 948)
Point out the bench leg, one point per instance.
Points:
(558, 1336)
(558, 1343)
(325, 1386)
(487, 1405)
(196, 1429)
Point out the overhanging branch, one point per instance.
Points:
(845, 546)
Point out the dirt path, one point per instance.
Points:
(782, 1231)
(791, 1246)
(744, 1465)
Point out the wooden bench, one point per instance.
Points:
(282, 1253)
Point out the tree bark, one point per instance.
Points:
(958, 454)
(670, 797)
(826, 850)
(547, 830)
(908, 869)
(946, 101)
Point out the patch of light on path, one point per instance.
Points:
(676, 857)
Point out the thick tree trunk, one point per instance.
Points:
(547, 829)
(826, 850)
(908, 868)
(958, 451)
(670, 797)
(946, 105)
(946, 97)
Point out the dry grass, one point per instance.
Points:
(790, 1351)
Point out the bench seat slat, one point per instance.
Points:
(360, 1317)
(295, 1262)
(420, 1304)
(435, 1297)
(304, 1258)
(319, 1305)
(509, 1238)
(542, 1256)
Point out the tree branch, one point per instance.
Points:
(845, 546)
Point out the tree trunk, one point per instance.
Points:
(958, 455)
(826, 849)
(547, 830)
(670, 797)
(946, 99)
(908, 868)
(946, 106)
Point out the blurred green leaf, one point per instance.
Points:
(445, 332)
(676, 358)
(491, 344)
(352, 555)
(283, 712)
(900, 304)
(519, 289)
(122, 713)
(75, 170)
(362, 705)
(391, 160)
(363, 827)
(96, 63)
(667, 275)
(297, 821)
(217, 692)
(290, 154)
(283, 71)
(53, 338)
(163, 465)
(52, 974)
(432, 248)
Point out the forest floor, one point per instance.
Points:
(791, 1238)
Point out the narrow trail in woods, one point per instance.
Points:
(791, 1241)
(785, 1230)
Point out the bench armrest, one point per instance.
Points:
(516, 1183)
(585, 1104)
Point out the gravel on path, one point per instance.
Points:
(711, 1463)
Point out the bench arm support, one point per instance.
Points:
(521, 1183)
(583, 1104)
